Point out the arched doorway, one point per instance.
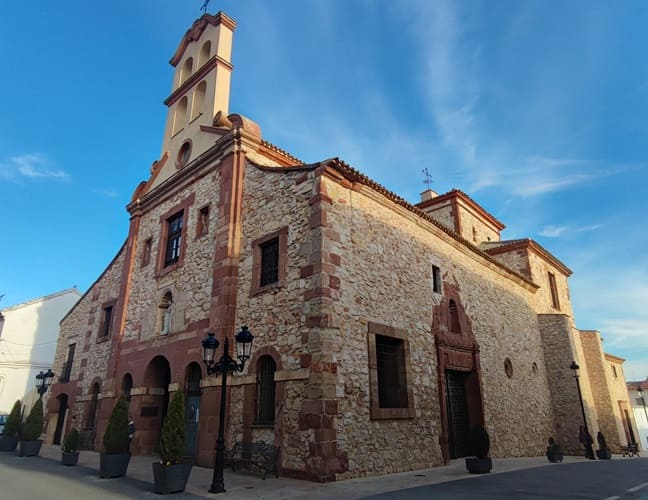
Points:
(192, 391)
(88, 432)
(60, 421)
(127, 387)
(154, 406)
(458, 372)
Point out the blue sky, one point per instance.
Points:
(540, 114)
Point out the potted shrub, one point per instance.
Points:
(9, 438)
(604, 452)
(69, 450)
(480, 445)
(30, 444)
(554, 453)
(170, 473)
(114, 459)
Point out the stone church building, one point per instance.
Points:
(383, 330)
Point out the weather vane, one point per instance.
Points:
(204, 7)
(428, 178)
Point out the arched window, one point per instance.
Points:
(454, 317)
(92, 408)
(164, 315)
(205, 52)
(199, 99)
(265, 391)
(127, 386)
(187, 68)
(180, 116)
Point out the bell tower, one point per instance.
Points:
(201, 88)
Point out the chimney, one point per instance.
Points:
(428, 194)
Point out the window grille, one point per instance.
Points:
(392, 378)
(174, 239)
(265, 400)
(269, 262)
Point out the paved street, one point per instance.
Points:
(44, 478)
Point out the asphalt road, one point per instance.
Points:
(600, 479)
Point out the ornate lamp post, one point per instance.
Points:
(226, 364)
(588, 442)
(43, 381)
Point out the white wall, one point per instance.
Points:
(28, 334)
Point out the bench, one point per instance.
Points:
(259, 454)
(631, 450)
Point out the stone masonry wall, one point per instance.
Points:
(81, 327)
(483, 231)
(385, 276)
(598, 370)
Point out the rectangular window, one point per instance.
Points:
(614, 372)
(106, 321)
(269, 262)
(436, 279)
(390, 374)
(67, 366)
(146, 252)
(554, 291)
(203, 221)
(392, 378)
(174, 239)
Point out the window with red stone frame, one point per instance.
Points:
(270, 257)
(390, 373)
(173, 237)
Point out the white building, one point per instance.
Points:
(638, 394)
(28, 334)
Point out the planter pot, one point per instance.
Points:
(113, 465)
(30, 448)
(69, 457)
(170, 478)
(479, 465)
(8, 443)
(604, 454)
(555, 457)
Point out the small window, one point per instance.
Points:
(184, 154)
(474, 234)
(508, 368)
(106, 322)
(554, 291)
(66, 372)
(127, 386)
(436, 279)
(455, 326)
(146, 251)
(265, 391)
(203, 221)
(269, 262)
(534, 368)
(174, 239)
(614, 372)
(164, 315)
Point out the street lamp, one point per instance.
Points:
(221, 367)
(43, 381)
(588, 441)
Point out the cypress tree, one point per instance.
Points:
(172, 440)
(115, 439)
(33, 427)
(12, 426)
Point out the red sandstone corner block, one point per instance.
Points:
(315, 406)
(335, 259)
(331, 407)
(334, 282)
(305, 360)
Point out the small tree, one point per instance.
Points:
(479, 441)
(33, 427)
(13, 424)
(172, 441)
(115, 439)
(71, 441)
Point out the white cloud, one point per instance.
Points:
(30, 166)
(553, 231)
(106, 192)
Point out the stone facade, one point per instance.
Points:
(388, 329)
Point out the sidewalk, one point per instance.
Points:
(248, 485)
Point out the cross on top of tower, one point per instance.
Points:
(428, 178)
(204, 6)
